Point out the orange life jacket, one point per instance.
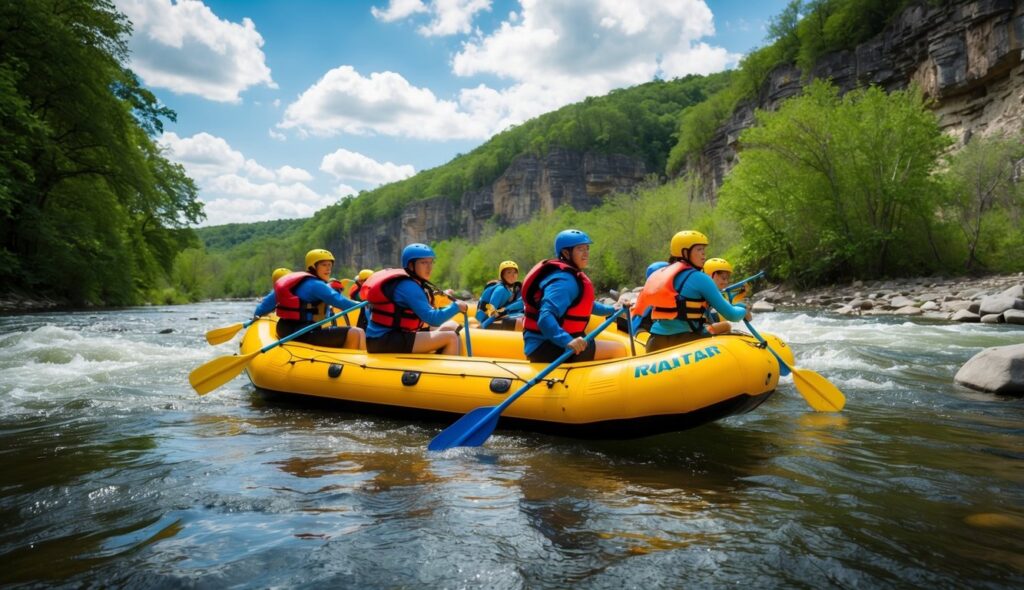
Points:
(575, 319)
(379, 290)
(659, 294)
(289, 306)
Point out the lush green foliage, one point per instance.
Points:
(833, 187)
(224, 237)
(629, 231)
(825, 26)
(638, 121)
(986, 198)
(89, 209)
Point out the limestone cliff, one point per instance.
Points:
(964, 55)
(532, 184)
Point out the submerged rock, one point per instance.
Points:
(997, 370)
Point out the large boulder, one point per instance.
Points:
(998, 370)
(999, 304)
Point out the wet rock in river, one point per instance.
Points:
(997, 370)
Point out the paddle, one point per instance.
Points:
(220, 370)
(733, 298)
(476, 426)
(221, 335)
(632, 333)
(818, 391)
(469, 344)
(784, 369)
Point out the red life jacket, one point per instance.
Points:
(659, 293)
(353, 292)
(575, 319)
(379, 290)
(289, 306)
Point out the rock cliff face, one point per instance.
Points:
(965, 55)
(530, 185)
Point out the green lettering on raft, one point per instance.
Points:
(665, 365)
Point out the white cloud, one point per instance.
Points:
(552, 52)
(452, 16)
(397, 10)
(290, 174)
(607, 43)
(343, 101)
(186, 48)
(346, 165)
(237, 189)
(447, 17)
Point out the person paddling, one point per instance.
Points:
(402, 301)
(268, 303)
(720, 271)
(558, 299)
(301, 298)
(678, 294)
(502, 299)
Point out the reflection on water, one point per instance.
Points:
(115, 474)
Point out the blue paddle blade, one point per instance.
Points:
(475, 426)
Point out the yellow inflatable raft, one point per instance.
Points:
(648, 394)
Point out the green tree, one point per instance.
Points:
(985, 190)
(832, 187)
(89, 209)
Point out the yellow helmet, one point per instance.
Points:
(685, 240)
(714, 265)
(314, 256)
(278, 273)
(364, 274)
(507, 264)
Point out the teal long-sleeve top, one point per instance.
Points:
(560, 289)
(694, 284)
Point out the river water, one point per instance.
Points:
(114, 473)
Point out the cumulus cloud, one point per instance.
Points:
(452, 16)
(385, 103)
(239, 189)
(551, 52)
(607, 42)
(447, 17)
(346, 165)
(187, 49)
(397, 10)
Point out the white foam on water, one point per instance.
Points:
(55, 364)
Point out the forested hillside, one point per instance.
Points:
(826, 187)
(90, 212)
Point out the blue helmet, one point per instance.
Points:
(414, 251)
(655, 266)
(570, 238)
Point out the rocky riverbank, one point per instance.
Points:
(990, 300)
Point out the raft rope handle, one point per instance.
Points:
(514, 375)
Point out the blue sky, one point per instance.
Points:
(286, 107)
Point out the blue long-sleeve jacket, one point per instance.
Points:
(309, 290)
(498, 297)
(698, 286)
(409, 294)
(560, 289)
(267, 305)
